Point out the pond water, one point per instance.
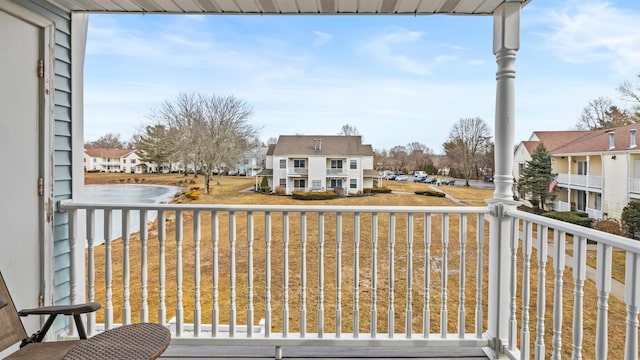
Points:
(126, 193)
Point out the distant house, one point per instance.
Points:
(317, 163)
(110, 160)
(598, 171)
(252, 162)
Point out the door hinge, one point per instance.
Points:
(41, 68)
(40, 186)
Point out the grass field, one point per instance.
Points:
(232, 191)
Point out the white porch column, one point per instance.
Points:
(506, 40)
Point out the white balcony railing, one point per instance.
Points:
(586, 181)
(325, 277)
(336, 172)
(634, 186)
(297, 171)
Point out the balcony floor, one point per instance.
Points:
(316, 352)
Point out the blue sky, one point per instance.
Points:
(397, 79)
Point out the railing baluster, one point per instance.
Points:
(321, 275)
(215, 240)
(526, 279)
(603, 285)
(356, 274)
(338, 275)
(513, 324)
(579, 276)
(461, 300)
(558, 265)
(285, 274)
(409, 308)
(162, 234)
(144, 273)
(250, 274)
(303, 274)
(232, 274)
(91, 268)
(426, 309)
(479, 268)
(444, 316)
(542, 266)
(179, 305)
(126, 275)
(197, 234)
(632, 299)
(108, 308)
(374, 275)
(391, 305)
(267, 238)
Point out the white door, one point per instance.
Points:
(20, 152)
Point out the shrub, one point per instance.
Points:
(315, 195)
(612, 226)
(631, 218)
(572, 217)
(431, 193)
(377, 190)
(193, 195)
(264, 185)
(281, 190)
(194, 188)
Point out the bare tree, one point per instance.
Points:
(469, 139)
(630, 94)
(400, 157)
(348, 130)
(108, 141)
(600, 113)
(209, 132)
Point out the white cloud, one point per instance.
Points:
(391, 49)
(321, 38)
(594, 32)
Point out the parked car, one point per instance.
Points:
(419, 179)
(391, 177)
(430, 181)
(402, 178)
(447, 181)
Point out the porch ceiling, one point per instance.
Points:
(322, 7)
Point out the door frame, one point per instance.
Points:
(46, 107)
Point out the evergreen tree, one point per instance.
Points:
(153, 145)
(537, 177)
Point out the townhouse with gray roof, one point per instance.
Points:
(319, 163)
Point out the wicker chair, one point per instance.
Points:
(136, 341)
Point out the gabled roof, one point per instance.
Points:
(107, 153)
(332, 145)
(307, 7)
(598, 141)
(583, 141)
(555, 139)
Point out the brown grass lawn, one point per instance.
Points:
(230, 192)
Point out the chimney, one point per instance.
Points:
(632, 138)
(319, 144)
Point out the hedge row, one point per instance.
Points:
(376, 190)
(315, 195)
(431, 193)
(573, 217)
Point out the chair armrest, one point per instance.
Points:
(62, 309)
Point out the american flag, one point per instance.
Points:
(552, 184)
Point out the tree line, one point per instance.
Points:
(603, 113)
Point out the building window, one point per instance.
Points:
(133, 161)
(632, 139)
(336, 164)
(353, 183)
(611, 140)
(336, 183)
(283, 163)
(300, 184)
(246, 161)
(299, 164)
(283, 182)
(316, 185)
(353, 164)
